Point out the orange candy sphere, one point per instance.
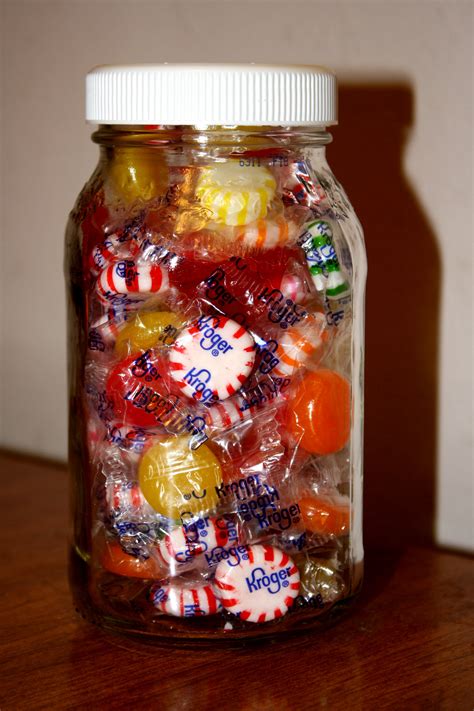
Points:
(115, 560)
(325, 515)
(320, 412)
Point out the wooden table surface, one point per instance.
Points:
(407, 643)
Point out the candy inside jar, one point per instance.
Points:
(216, 325)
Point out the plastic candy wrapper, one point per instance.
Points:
(218, 317)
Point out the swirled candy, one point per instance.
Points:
(258, 585)
(184, 543)
(298, 186)
(212, 358)
(262, 234)
(223, 415)
(105, 329)
(177, 480)
(125, 496)
(243, 406)
(292, 286)
(181, 599)
(299, 343)
(235, 195)
(128, 277)
(114, 247)
(322, 259)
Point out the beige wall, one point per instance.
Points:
(403, 151)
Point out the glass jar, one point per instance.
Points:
(216, 275)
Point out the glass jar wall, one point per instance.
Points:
(215, 288)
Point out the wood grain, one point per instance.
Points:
(406, 645)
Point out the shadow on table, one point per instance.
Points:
(403, 300)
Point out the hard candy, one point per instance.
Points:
(212, 358)
(319, 414)
(181, 599)
(136, 389)
(322, 259)
(262, 234)
(258, 584)
(320, 577)
(235, 195)
(193, 539)
(148, 329)
(177, 480)
(116, 560)
(138, 173)
(136, 280)
(326, 514)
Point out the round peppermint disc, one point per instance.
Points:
(258, 585)
(212, 358)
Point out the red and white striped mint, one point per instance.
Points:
(212, 358)
(292, 287)
(108, 326)
(259, 586)
(226, 414)
(128, 277)
(95, 434)
(126, 496)
(185, 543)
(133, 440)
(223, 415)
(185, 600)
(114, 247)
(103, 253)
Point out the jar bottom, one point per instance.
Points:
(97, 599)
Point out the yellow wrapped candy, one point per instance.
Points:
(148, 329)
(236, 195)
(138, 174)
(175, 479)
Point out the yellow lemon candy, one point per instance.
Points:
(148, 329)
(235, 194)
(175, 479)
(138, 173)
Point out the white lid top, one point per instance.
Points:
(211, 94)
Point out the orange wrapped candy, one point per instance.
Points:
(115, 560)
(319, 415)
(328, 515)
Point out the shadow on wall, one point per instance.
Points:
(403, 301)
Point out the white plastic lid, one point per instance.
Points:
(211, 94)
